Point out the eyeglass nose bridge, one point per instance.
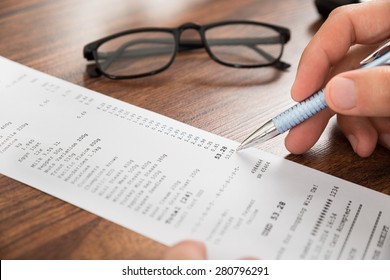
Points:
(190, 44)
(189, 25)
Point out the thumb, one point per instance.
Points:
(363, 92)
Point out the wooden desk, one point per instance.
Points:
(49, 36)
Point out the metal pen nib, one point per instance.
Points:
(264, 133)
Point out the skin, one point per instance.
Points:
(333, 50)
(360, 98)
(186, 250)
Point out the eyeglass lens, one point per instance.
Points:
(136, 53)
(244, 44)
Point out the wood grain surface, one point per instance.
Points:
(49, 36)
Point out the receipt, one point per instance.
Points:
(170, 181)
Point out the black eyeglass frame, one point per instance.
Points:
(90, 50)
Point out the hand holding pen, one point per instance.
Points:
(360, 98)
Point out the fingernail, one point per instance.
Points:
(385, 140)
(342, 93)
(352, 139)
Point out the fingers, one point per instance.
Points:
(364, 92)
(360, 133)
(382, 126)
(186, 250)
(302, 137)
(365, 133)
(365, 23)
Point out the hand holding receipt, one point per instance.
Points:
(307, 108)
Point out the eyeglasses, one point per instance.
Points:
(148, 51)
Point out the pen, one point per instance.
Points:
(308, 107)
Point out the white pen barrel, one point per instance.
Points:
(300, 112)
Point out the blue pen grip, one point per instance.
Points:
(300, 112)
(315, 103)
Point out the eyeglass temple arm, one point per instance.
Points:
(122, 50)
(279, 63)
(253, 44)
(110, 57)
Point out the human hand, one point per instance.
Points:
(189, 250)
(186, 250)
(360, 98)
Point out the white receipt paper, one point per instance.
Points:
(170, 181)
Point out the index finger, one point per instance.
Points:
(365, 23)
